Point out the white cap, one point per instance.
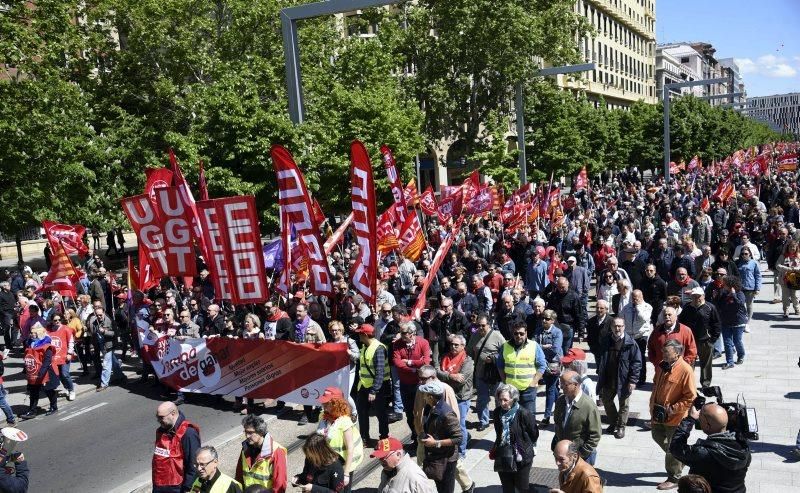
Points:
(697, 290)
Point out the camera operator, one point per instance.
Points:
(721, 457)
(14, 479)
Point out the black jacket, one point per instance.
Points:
(628, 369)
(595, 332)
(523, 430)
(18, 483)
(568, 309)
(441, 423)
(654, 292)
(719, 458)
(324, 479)
(703, 320)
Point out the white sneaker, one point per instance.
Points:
(71, 396)
(747, 328)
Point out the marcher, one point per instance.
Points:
(209, 478)
(703, 319)
(521, 363)
(618, 373)
(483, 347)
(574, 474)
(516, 436)
(337, 426)
(323, 468)
(442, 437)
(41, 371)
(263, 460)
(177, 443)
(374, 383)
(577, 418)
(732, 307)
(400, 474)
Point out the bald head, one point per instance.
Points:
(167, 415)
(713, 418)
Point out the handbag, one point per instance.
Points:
(434, 468)
(505, 458)
(491, 374)
(792, 280)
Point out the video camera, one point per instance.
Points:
(742, 420)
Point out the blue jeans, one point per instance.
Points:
(398, 398)
(551, 393)
(485, 391)
(718, 347)
(64, 376)
(463, 410)
(527, 399)
(733, 339)
(4, 404)
(110, 368)
(592, 457)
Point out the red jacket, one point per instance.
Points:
(683, 334)
(63, 342)
(495, 284)
(34, 359)
(419, 354)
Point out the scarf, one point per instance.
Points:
(300, 328)
(452, 364)
(506, 419)
(41, 342)
(684, 282)
(278, 315)
(718, 283)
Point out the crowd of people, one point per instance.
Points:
(671, 282)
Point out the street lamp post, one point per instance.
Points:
(519, 108)
(676, 85)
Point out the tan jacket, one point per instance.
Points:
(675, 388)
(582, 479)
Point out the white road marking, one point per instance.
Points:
(83, 411)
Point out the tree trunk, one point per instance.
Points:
(18, 239)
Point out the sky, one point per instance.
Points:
(762, 35)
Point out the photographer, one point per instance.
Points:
(721, 458)
(14, 479)
(102, 330)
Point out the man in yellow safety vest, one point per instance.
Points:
(263, 460)
(521, 362)
(209, 478)
(374, 384)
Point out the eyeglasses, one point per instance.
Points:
(201, 465)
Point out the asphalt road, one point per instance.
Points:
(103, 440)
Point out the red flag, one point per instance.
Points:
(749, 192)
(410, 193)
(705, 205)
(319, 216)
(296, 203)
(395, 183)
(70, 236)
(695, 163)
(569, 203)
(450, 206)
(364, 271)
(133, 276)
(337, 235)
(447, 190)
(147, 278)
(441, 253)
(185, 194)
(175, 224)
(62, 276)
(202, 183)
(427, 202)
(156, 178)
(482, 202)
(582, 180)
(787, 162)
(386, 234)
(724, 190)
(141, 212)
(234, 240)
(412, 241)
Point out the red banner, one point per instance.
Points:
(175, 222)
(234, 242)
(787, 162)
(70, 236)
(364, 271)
(444, 248)
(287, 371)
(427, 202)
(185, 193)
(295, 202)
(147, 226)
(156, 178)
(395, 183)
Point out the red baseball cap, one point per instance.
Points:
(365, 329)
(385, 447)
(330, 394)
(572, 355)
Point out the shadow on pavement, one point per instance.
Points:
(784, 451)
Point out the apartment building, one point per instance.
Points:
(780, 111)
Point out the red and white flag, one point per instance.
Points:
(441, 253)
(787, 162)
(386, 233)
(724, 190)
(412, 241)
(157, 178)
(141, 212)
(395, 183)
(582, 180)
(337, 235)
(410, 193)
(185, 193)
(234, 242)
(70, 236)
(175, 221)
(296, 204)
(364, 271)
(427, 202)
(62, 276)
(481, 202)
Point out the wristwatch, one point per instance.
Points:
(438, 444)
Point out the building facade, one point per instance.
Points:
(780, 111)
(738, 82)
(623, 47)
(695, 61)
